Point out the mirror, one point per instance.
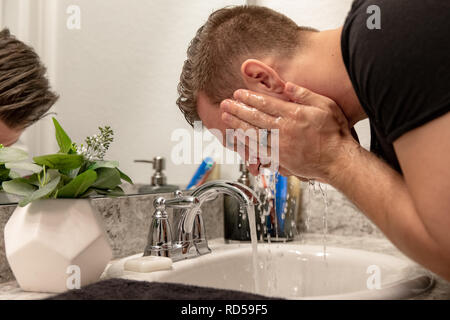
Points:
(118, 62)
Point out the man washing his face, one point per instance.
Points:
(314, 86)
(25, 95)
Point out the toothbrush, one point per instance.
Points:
(202, 170)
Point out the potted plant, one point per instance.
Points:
(55, 239)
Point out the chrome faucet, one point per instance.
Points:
(190, 238)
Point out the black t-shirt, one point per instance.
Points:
(400, 72)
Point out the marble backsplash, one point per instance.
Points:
(342, 216)
(127, 220)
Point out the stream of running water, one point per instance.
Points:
(324, 220)
(267, 194)
(265, 190)
(254, 239)
(323, 192)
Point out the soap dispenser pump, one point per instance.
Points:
(159, 164)
(158, 181)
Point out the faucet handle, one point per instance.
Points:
(179, 202)
(184, 202)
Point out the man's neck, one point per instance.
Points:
(320, 68)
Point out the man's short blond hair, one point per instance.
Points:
(229, 37)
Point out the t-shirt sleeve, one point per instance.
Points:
(401, 72)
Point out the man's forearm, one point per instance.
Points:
(381, 193)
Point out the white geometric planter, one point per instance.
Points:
(53, 245)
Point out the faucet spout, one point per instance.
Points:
(190, 240)
(191, 231)
(241, 192)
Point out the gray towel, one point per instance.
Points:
(121, 289)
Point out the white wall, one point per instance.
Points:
(122, 68)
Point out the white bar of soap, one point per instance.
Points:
(148, 264)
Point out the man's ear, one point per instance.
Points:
(259, 77)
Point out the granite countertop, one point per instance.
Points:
(441, 290)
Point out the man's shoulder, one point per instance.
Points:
(399, 64)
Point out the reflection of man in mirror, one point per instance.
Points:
(25, 94)
(252, 68)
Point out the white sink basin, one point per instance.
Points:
(294, 271)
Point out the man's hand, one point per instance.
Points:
(315, 142)
(313, 131)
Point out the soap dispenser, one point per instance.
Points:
(236, 223)
(158, 181)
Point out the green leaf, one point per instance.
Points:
(107, 178)
(65, 179)
(4, 173)
(64, 142)
(14, 175)
(18, 186)
(123, 176)
(42, 191)
(116, 192)
(103, 164)
(53, 173)
(33, 179)
(71, 173)
(60, 161)
(79, 185)
(24, 166)
(89, 192)
(9, 154)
